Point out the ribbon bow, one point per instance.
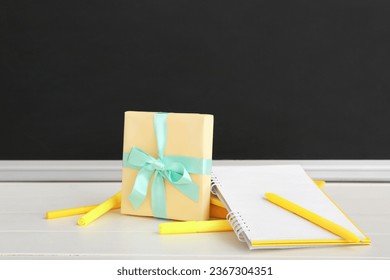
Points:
(174, 169)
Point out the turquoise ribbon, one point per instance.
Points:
(174, 169)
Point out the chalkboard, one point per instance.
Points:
(284, 79)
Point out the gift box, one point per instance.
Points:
(166, 165)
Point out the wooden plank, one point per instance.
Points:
(24, 233)
(110, 170)
(138, 245)
(39, 197)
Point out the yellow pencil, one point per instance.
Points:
(194, 227)
(319, 183)
(69, 212)
(218, 212)
(112, 202)
(312, 217)
(214, 200)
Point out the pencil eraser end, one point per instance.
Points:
(161, 228)
(81, 222)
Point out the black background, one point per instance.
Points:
(284, 79)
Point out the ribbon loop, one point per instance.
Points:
(138, 194)
(174, 169)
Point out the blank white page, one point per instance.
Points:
(243, 189)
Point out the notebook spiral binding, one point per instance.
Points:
(214, 183)
(238, 224)
(234, 218)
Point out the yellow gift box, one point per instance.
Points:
(166, 165)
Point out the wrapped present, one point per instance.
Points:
(166, 165)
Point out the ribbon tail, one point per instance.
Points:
(158, 197)
(190, 190)
(140, 188)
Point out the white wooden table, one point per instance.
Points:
(26, 234)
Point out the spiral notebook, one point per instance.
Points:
(262, 224)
